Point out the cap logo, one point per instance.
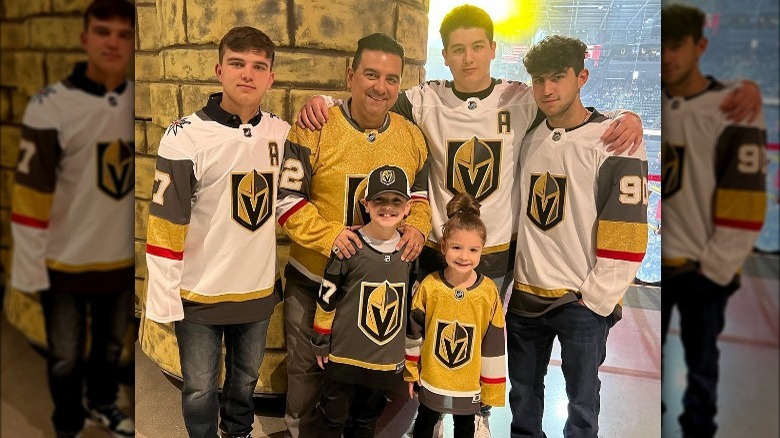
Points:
(387, 177)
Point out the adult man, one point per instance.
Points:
(583, 224)
(714, 177)
(74, 187)
(321, 184)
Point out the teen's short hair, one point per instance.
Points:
(110, 9)
(681, 21)
(381, 43)
(465, 17)
(246, 39)
(555, 53)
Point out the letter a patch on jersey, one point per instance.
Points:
(672, 165)
(454, 343)
(473, 166)
(546, 200)
(381, 313)
(252, 198)
(115, 168)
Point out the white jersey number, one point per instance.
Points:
(27, 149)
(327, 290)
(165, 180)
(292, 175)
(633, 189)
(751, 159)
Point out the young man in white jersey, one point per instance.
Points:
(211, 245)
(714, 178)
(74, 187)
(583, 227)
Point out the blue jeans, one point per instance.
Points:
(200, 351)
(65, 316)
(583, 338)
(702, 307)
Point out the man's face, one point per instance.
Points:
(374, 87)
(555, 92)
(468, 55)
(245, 77)
(679, 59)
(109, 45)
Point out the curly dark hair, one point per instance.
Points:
(555, 53)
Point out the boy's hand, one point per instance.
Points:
(345, 243)
(624, 132)
(321, 361)
(413, 240)
(743, 103)
(313, 114)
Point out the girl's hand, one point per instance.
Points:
(411, 390)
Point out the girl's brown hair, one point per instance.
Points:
(463, 214)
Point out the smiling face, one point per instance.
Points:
(462, 250)
(374, 86)
(245, 77)
(387, 209)
(468, 55)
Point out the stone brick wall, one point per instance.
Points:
(176, 51)
(39, 40)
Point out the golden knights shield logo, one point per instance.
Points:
(354, 213)
(546, 199)
(454, 343)
(473, 166)
(381, 313)
(252, 198)
(115, 168)
(672, 164)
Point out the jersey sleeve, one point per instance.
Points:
(40, 153)
(296, 215)
(169, 217)
(420, 212)
(740, 201)
(331, 292)
(405, 106)
(415, 332)
(621, 231)
(493, 374)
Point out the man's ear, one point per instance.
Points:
(582, 78)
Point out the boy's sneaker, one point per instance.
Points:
(113, 419)
(481, 426)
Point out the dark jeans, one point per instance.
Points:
(701, 305)
(65, 316)
(341, 402)
(427, 419)
(583, 338)
(200, 351)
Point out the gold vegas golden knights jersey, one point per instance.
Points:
(582, 221)
(474, 147)
(72, 206)
(360, 321)
(455, 345)
(211, 242)
(713, 185)
(324, 177)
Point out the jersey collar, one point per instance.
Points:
(478, 94)
(78, 79)
(219, 115)
(354, 123)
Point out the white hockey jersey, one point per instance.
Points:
(211, 238)
(582, 219)
(474, 145)
(713, 184)
(73, 188)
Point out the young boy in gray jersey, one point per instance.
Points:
(360, 320)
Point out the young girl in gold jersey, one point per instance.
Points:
(455, 336)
